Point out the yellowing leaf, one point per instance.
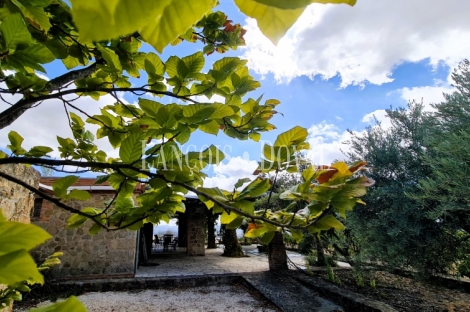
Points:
(292, 137)
(226, 218)
(340, 166)
(35, 15)
(329, 222)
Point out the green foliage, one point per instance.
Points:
(72, 304)
(330, 275)
(417, 211)
(359, 280)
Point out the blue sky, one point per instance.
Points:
(335, 68)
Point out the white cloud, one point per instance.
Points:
(428, 94)
(213, 99)
(364, 42)
(226, 175)
(327, 143)
(379, 115)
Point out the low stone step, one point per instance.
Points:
(288, 294)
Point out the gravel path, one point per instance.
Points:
(210, 298)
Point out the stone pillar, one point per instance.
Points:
(16, 202)
(148, 232)
(277, 253)
(195, 217)
(182, 230)
(211, 218)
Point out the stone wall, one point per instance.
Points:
(106, 254)
(16, 202)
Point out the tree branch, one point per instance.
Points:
(8, 116)
(70, 76)
(16, 110)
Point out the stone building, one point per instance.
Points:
(106, 254)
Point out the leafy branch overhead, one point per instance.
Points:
(149, 134)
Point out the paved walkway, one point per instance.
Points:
(212, 263)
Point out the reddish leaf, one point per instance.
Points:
(327, 175)
(229, 27)
(252, 226)
(356, 166)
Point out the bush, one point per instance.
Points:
(307, 244)
(311, 259)
(464, 267)
(289, 241)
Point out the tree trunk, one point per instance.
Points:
(211, 230)
(277, 253)
(320, 253)
(232, 247)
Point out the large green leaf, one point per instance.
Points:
(14, 32)
(150, 107)
(256, 188)
(275, 17)
(78, 194)
(159, 22)
(39, 151)
(131, 148)
(175, 19)
(154, 65)
(72, 304)
(18, 266)
(194, 63)
(296, 4)
(272, 21)
(61, 185)
(210, 127)
(15, 139)
(110, 57)
(240, 182)
(15, 236)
